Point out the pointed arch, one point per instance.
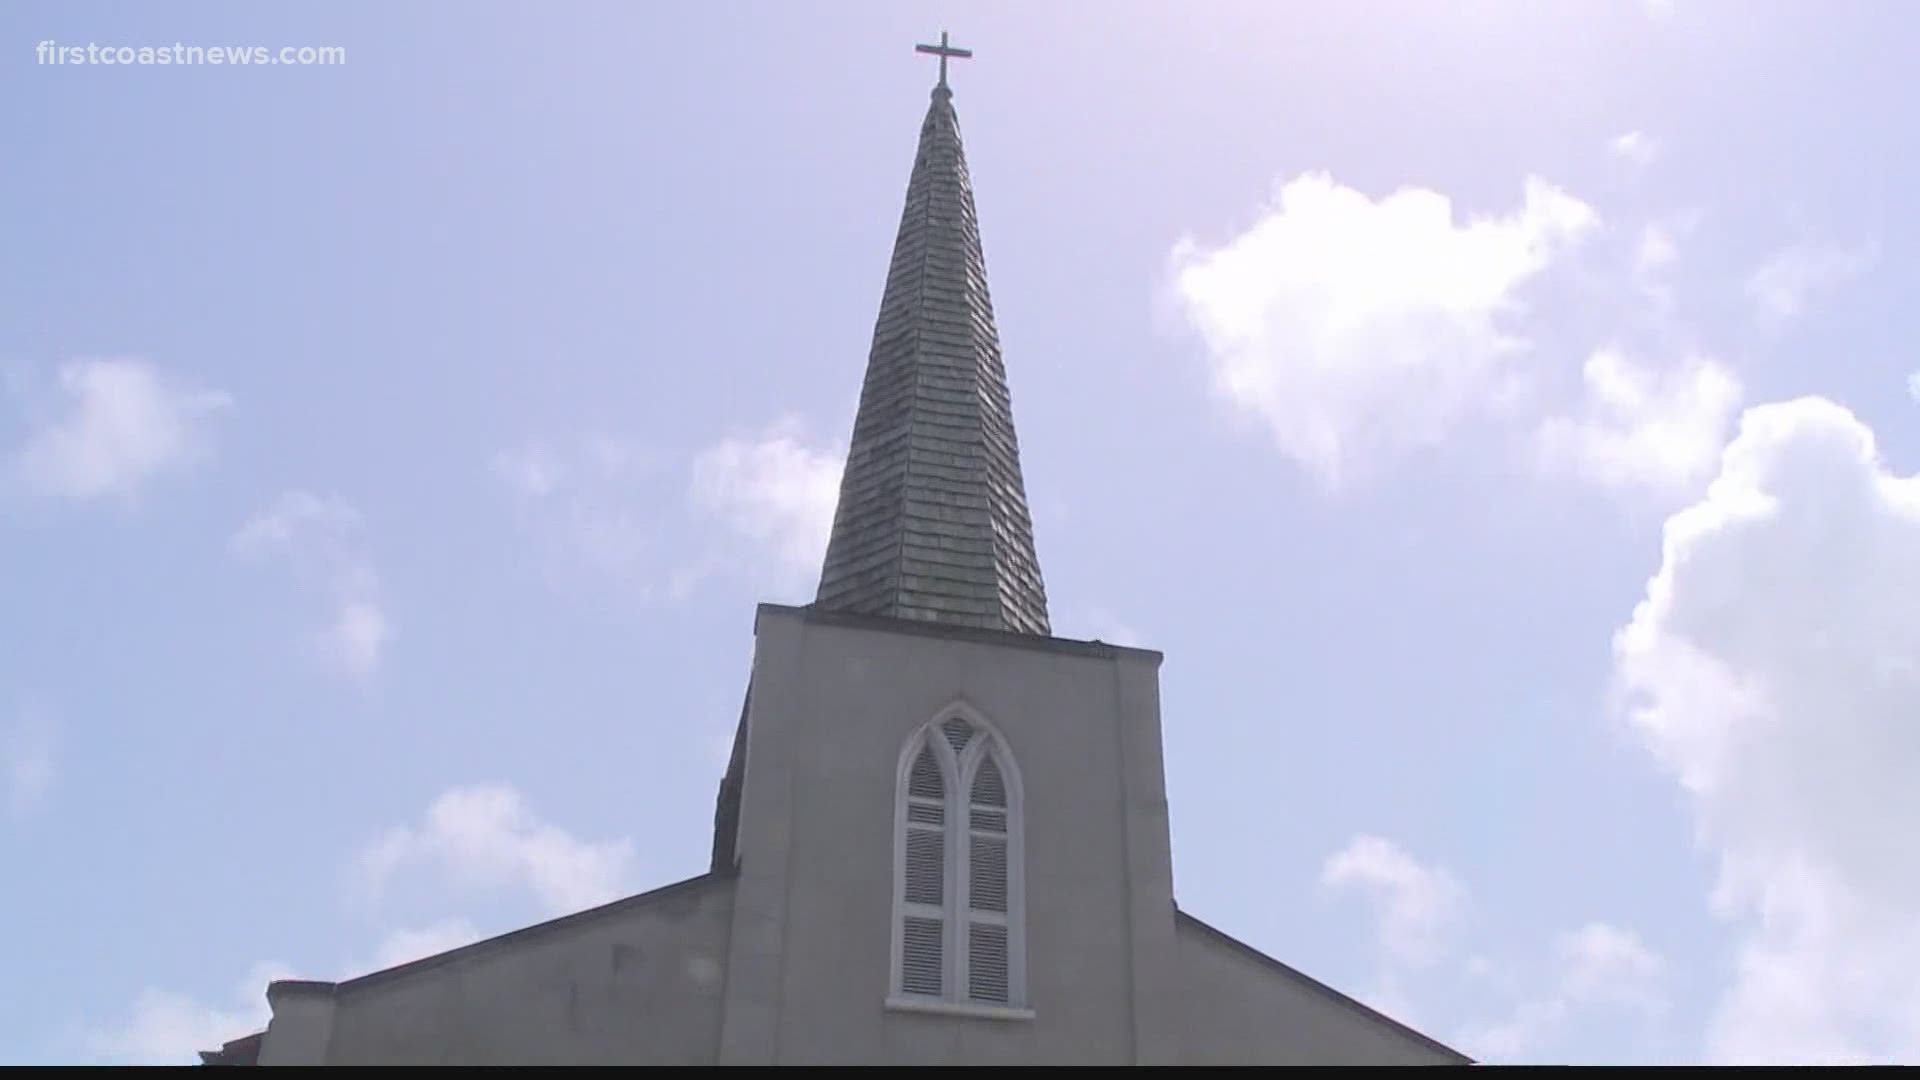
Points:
(959, 903)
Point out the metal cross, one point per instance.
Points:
(943, 50)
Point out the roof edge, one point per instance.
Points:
(983, 635)
(1317, 986)
(314, 986)
(244, 1050)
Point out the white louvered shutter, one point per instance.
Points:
(924, 880)
(958, 733)
(986, 916)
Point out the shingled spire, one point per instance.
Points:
(932, 522)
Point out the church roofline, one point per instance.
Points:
(1316, 985)
(244, 1050)
(282, 987)
(1012, 639)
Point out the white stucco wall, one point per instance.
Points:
(834, 700)
(637, 984)
(1242, 1009)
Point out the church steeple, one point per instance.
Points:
(932, 522)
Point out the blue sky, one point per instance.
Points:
(1500, 417)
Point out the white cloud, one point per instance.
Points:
(322, 539)
(1913, 386)
(1518, 1038)
(357, 635)
(1771, 670)
(122, 424)
(1634, 148)
(1656, 250)
(1418, 907)
(591, 504)
(1598, 977)
(165, 1027)
(292, 518)
(26, 762)
(1782, 287)
(529, 472)
(773, 491)
(1599, 969)
(416, 943)
(1354, 327)
(486, 836)
(1607, 963)
(1657, 430)
(605, 506)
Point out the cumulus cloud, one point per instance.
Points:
(356, 636)
(408, 944)
(1418, 907)
(1353, 326)
(1603, 962)
(165, 1027)
(1634, 148)
(1598, 968)
(26, 762)
(168, 1027)
(592, 505)
(121, 424)
(321, 537)
(1770, 669)
(774, 491)
(292, 518)
(1782, 287)
(1656, 249)
(1658, 430)
(758, 506)
(1913, 386)
(1593, 980)
(486, 836)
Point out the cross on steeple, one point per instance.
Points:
(943, 50)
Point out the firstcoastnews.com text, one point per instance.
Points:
(55, 54)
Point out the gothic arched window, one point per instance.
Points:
(957, 928)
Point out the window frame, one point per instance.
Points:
(957, 774)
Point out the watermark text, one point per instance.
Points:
(91, 54)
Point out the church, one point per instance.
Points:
(942, 834)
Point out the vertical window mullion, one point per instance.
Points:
(957, 890)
